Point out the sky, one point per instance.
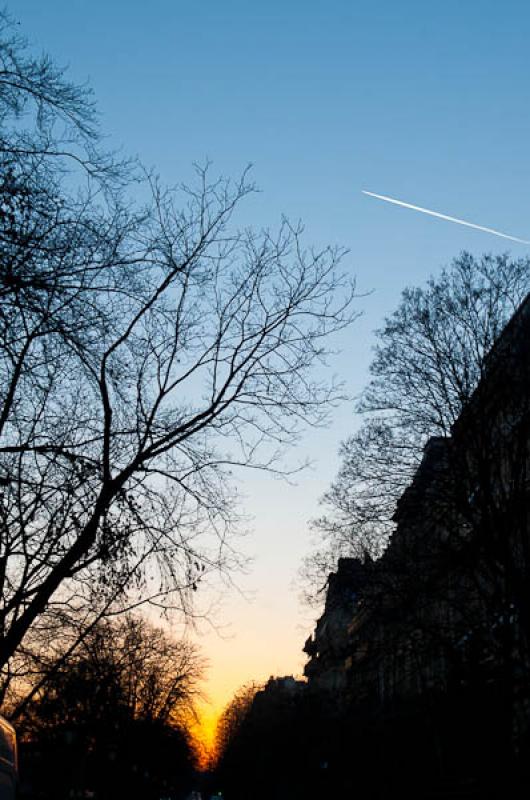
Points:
(425, 102)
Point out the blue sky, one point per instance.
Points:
(427, 102)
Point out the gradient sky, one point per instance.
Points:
(427, 102)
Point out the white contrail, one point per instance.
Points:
(445, 216)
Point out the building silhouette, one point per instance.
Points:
(431, 642)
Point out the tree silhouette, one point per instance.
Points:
(429, 358)
(119, 709)
(145, 354)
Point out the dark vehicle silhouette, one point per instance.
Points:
(8, 760)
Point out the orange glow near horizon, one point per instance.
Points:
(262, 640)
(203, 733)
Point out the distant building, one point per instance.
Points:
(329, 646)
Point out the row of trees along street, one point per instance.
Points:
(114, 718)
(147, 349)
(270, 744)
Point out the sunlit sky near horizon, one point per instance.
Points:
(427, 102)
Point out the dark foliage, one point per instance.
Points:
(113, 719)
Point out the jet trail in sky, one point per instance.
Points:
(444, 216)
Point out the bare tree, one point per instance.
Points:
(115, 716)
(152, 677)
(161, 676)
(144, 355)
(233, 718)
(430, 357)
